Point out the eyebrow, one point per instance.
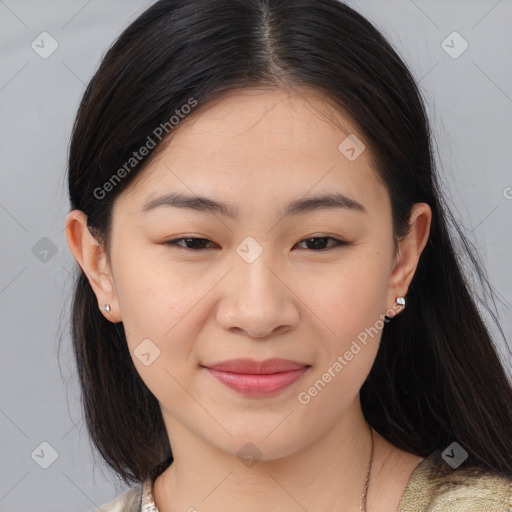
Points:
(304, 205)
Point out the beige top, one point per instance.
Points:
(433, 487)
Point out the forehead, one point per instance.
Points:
(248, 146)
(276, 120)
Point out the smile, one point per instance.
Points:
(253, 378)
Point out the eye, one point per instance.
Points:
(318, 243)
(196, 244)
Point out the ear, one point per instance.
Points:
(409, 251)
(92, 258)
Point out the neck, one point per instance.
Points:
(330, 469)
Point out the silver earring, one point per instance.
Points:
(106, 307)
(400, 301)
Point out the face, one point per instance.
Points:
(309, 284)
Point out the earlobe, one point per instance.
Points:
(410, 249)
(91, 257)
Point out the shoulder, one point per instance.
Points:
(435, 486)
(129, 501)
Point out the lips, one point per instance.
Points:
(257, 377)
(249, 366)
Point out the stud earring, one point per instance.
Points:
(401, 302)
(106, 307)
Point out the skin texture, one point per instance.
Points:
(258, 150)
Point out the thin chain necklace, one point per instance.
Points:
(367, 480)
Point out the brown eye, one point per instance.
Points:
(191, 243)
(318, 244)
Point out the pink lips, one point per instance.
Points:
(257, 378)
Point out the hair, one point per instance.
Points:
(437, 376)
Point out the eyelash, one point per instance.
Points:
(338, 243)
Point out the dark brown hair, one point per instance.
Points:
(437, 376)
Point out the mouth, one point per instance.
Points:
(254, 378)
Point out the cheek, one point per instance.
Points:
(160, 334)
(154, 295)
(158, 317)
(164, 309)
(348, 298)
(351, 307)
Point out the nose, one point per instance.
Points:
(257, 300)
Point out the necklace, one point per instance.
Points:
(367, 480)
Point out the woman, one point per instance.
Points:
(267, 280)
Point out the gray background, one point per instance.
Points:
(469, 99)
